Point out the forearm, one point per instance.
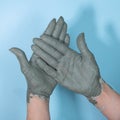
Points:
(38, 109)
(108, 102)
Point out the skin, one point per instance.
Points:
(40, 84)
(38, 109)
(76, 71)
(108, 102)
(106, 99)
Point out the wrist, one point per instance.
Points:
(42, 95)
(99, 90)
(108, 102)
(38, 106)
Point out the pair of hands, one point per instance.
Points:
(53, 61)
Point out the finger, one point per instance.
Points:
(67, 40)
(50, 27)
(21, 58)
(33, 59)
(49, 70)
(82, 45)
(47, 48)
(63, 32)
(58, 28)
(55, 44)
(45, 56)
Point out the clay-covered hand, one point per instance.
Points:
(76, 71)
(38, 81)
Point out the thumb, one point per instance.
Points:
(82, 45)
(21, 58)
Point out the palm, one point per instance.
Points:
(39, 82)
(76, 71)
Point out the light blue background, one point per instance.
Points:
(20, 21)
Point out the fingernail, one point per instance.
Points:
(53, 20)
(35, 40)
(11, 50)
(82, 34)
(61, 18)
(32, 47)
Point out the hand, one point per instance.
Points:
(39, 82)
(77, 71)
